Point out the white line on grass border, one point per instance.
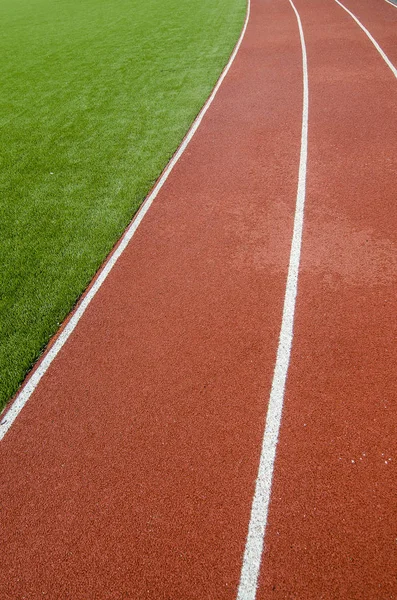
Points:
(260, 505)
(392, 3)
(375, 43)
(11, 413)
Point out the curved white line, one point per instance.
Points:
(375, 43)
(392, 3)
(260, 505)
(32, 382)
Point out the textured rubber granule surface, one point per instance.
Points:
(130, 472)
(332, 524)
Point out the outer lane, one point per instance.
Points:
(332, 522)
(380, 18)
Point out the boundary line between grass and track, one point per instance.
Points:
(392, 3)
(374, 42)
(260, 505)
(11, 412)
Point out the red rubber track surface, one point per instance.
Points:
(333, 519)
(131, 470)
(380, 18)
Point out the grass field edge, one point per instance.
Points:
(38, 369)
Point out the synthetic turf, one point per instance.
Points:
(95, 97)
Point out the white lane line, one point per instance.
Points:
(13, 411)
(375, 43)
(260, 505)
(392, 3)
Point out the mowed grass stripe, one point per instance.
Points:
(95, 97)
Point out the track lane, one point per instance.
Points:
(380, 18)
(263, 487)
(371, 38)
(332, 521)
(130, 472)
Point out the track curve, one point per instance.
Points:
(131, 470)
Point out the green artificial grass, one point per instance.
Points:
(95, 97)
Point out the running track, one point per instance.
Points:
(131, 471)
